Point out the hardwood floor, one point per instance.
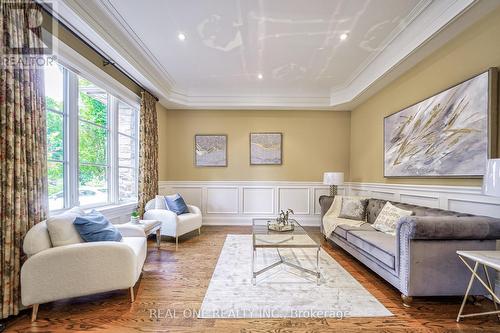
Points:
(174, 283)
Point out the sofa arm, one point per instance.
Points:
(325, 202)
(77, 270)
(194, 209)
(128, 230)
(449, 227)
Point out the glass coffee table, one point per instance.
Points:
(264, 238)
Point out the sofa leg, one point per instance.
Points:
(176, 243)
(407, 300)
(199, 231)
(132, 296)
(34, 312)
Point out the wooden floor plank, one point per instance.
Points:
(173, 285)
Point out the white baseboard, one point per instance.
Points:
(247, 221)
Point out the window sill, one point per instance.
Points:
(110, 211)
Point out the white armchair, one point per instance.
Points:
(173, 225)
(53, 273)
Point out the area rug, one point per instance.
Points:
(283, 292)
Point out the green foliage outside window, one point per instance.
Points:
(92, 141)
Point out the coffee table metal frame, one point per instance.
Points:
(261, 230)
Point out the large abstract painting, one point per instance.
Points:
(265, 148)
(443, 136)
(210, 150)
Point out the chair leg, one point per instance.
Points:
(176, 242)
(158, 238)
(34, 312)
(199, 231)
(132, 296)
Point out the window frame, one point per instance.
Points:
(65, 114)
(75, 65)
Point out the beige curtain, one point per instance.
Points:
(23, 164)
(148, 151)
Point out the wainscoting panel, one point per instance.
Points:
(222, 200)
(237, 202)
(295, 198)
(192, 194)
(318, 192)
(258, 200)
(420, 200)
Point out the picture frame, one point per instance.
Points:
(266, 148)
(210, 150)
(426, 139)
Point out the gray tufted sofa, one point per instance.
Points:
(421, 259)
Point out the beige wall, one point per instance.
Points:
(470, 53)
(313, 142)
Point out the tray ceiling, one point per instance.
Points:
(262, 54)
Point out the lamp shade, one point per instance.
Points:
(491, 180)
(333, 178)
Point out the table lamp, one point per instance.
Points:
(333, 179)
(491, 180)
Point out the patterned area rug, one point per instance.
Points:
(283, 292)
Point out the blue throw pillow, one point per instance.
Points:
(176, 204)
(94, 227)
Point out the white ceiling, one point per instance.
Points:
(294, 44)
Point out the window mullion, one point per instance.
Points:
(72, 140)
(114, 148)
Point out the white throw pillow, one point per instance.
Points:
(388, 217)
(61, 229)
(160, 202)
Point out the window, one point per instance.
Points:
(56, 116)
(127, 152)
(92, 143)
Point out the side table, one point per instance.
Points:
(150, 226)
(486, 259)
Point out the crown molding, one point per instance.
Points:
(84, 17)
(429, 26)
(437, 24)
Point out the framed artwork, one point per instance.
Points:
(451, 134)
(266, 148)
(210, 150)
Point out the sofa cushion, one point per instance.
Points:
(159, 202)
(377, 244)
(61, 229)
(94, 227)
(342, 229)
(176, 204)
(353, 209)
(388, 218)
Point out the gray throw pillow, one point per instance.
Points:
(353, 209)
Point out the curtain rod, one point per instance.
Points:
(105, 58)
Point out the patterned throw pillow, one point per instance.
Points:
(353, 209)
(388, 217)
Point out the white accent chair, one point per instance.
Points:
(54, 273)
(173, 225)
